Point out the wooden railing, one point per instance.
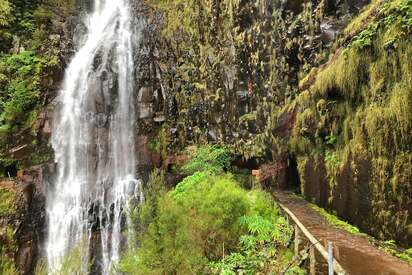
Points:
(333, 264)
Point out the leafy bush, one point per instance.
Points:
(7, 201)
(204, 218)
(214, 159)
(144, 214)
(263, 249)
(71, 264)
(7, 266)
(22, 87)
(188, 183)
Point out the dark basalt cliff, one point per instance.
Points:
(315, 93)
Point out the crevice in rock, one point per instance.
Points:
(292, 175)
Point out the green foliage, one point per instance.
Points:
(8, 249)
(188, 183)
(200, 221)
(262, 250)
(72, 264)
(331, 158)
(391, 248)
(5, 13)
(365, 38)
(29, 67)
(51, 10)
(22, 72)
(7, 266)
(394, 16)
(213, 159)
(331, 139)
(145, 213)
(7, 201)
(357, 117)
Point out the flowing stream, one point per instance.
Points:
(94, 143)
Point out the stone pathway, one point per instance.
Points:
(355, 253)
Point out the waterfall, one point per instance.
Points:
(94, 143)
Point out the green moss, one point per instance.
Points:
(7, 201)
(335, 221)
(367, 13)
(39, 158)
(160, 143)
(302, 162)
(303, 132)
(391, 248)
(342, 77)
(7, 266)
(8, 249)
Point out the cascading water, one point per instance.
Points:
(94, 143)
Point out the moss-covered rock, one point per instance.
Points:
(357, 117)
(276, 81)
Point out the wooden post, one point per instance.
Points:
(336, 252)
(312, 259)
(330, 258)
(297, 241)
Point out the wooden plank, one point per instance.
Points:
(336, 266)
(312, 259)
(297, 241)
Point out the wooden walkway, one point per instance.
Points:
(354, 254)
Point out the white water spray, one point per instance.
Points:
(94, 143)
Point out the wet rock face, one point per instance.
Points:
(27, 220)
(197, 95)
(227, 81)
(29, 149)
(316, 185)
(230, 69)
(31, 233)
(150, 94)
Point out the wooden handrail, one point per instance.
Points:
(338, 269)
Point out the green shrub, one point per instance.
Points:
(204, 218)
(263, 249)
(70, 265)
(22, 88)
(7, 266)
(214, 159)
(7, 201)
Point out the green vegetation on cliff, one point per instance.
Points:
(284, 82)
(7, 201)
(230, 63)
(30, 67)
(358, 115)
(8, 246)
